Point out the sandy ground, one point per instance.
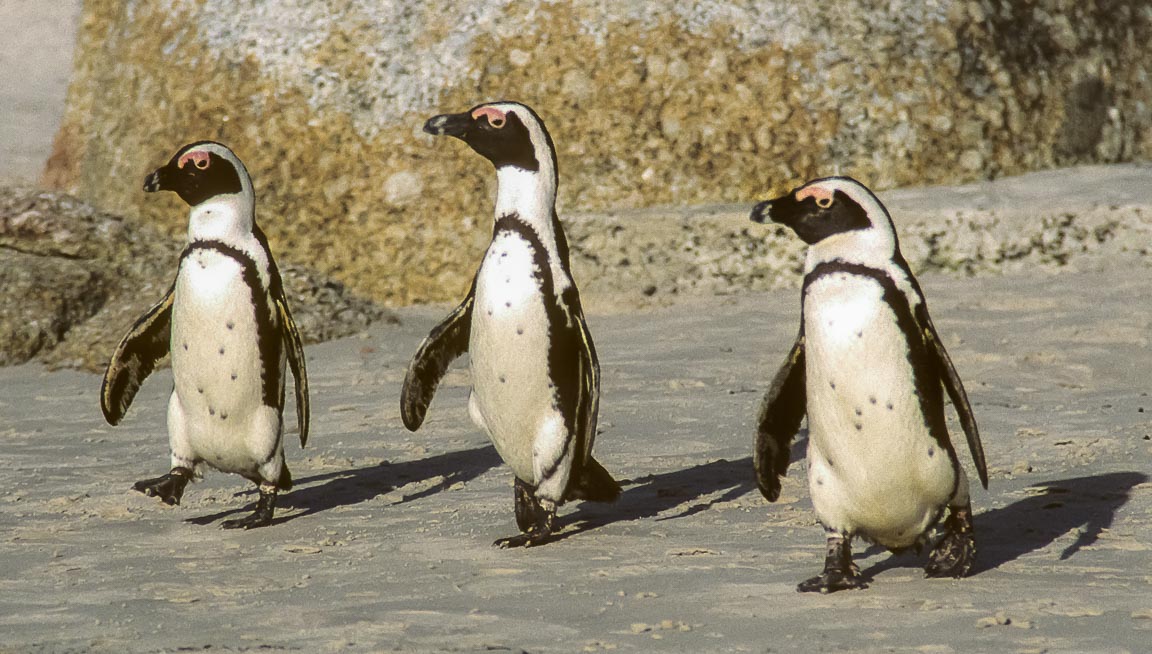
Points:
(385, 544)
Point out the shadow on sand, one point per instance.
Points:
(1052, 509)
(353, 486)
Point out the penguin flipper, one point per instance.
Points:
(784, 407)
(148, 341)
(595, 484)
(444, 343)
(955, 390)
(295, 348)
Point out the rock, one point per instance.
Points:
(74, 279)
(651, 104)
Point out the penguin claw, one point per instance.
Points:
(952, 557)
(831, 581)
(169, 488)
(955, 553)
(528, 539)
(261, 517)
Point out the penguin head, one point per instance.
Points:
(201, 171)
(831, 210)
(505, 133)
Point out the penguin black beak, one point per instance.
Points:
(760, 212)
(457, 125)
(157, 180)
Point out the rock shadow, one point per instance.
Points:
(355, 485)
(1052, 510)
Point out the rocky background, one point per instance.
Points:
(651, 104)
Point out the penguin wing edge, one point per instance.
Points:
(784, 407)
(444, 343)
(956, 391)
(594, 483)
(295, 351)
(148, 341)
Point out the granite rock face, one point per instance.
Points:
(651, 103)
(74, 279)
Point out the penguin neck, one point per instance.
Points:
(875, 248)
(531, 195)
(228, 218)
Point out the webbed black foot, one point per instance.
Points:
(534, 519)
(261, 517)
(839, 571)
(955, 553)
(831, 581)
(169, 488)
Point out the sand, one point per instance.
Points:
(385, 544)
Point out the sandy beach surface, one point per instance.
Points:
(386, 543)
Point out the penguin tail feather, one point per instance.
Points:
(594, 484)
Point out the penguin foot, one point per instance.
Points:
(535, 519)
(840, 573)
(831, 581)
(261, 517)
(169, 488)
(955, 553)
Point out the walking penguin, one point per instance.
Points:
(535, 376)
(868, 368)
(226, 322)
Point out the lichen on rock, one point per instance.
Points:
(650, 104)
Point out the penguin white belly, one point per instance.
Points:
(874, 468)
(217, 414)
(513, 397)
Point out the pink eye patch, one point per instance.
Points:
(495, 117)
(199, 158)
(823, 195)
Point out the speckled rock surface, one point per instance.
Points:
(74, 279)
(651, 103)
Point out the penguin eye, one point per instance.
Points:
(496, 121)
(824, 202)
(202, 164)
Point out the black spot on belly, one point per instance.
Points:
(519, 331)
(211, 411)
(931, 452)
(489, 312)
(890, 407)
(230, 324)
(819, 482)
(200, 391)
(223, 416)
(859, 426)
(185, 347)
(830, 464)
(221, 350)
(859, 411)
(234, 376)
(872, 399)
(503, 379)
(832, 384)
(503, 254)
(508, 304)
(859, 334)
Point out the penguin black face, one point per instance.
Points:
(196, 173)
(495, 131)
(815, 211)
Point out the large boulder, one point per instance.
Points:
(651, 103)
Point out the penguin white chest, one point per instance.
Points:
(216, 363)
(513, 397)
(874, 467)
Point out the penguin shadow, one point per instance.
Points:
(327, 491)
(1053, 509)
(652, 495)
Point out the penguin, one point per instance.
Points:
(867, 368)
(535, 375)
(226, 322)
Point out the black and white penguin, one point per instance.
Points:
(535, 376)
(868, 368)
(226, 322)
